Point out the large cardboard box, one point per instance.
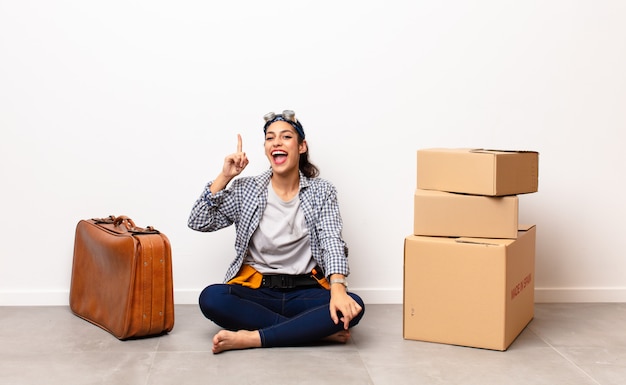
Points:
(438, 213)
(477, 171)
(469, 291)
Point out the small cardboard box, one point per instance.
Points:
(438, 213)
(477, 171)
(469, 291)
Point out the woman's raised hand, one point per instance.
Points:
(235, 163)
(233, 166)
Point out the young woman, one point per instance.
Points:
(287, 284)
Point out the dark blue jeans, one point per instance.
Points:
(283, 317)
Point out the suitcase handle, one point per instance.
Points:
(126, 221)
(131, 227)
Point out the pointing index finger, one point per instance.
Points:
(239, 146)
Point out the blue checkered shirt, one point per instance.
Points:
(243, 204)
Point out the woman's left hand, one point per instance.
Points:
(342, 307)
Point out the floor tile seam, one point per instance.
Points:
(154, 354)
(570, 361)
(367, 369)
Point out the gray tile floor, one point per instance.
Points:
(564, 344)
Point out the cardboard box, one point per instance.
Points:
(477, 171)
(438, 213)
(469, 291)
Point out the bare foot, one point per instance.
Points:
(241, 339)
(340, 337)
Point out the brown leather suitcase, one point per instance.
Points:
(122, 278)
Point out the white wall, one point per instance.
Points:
(129, 107)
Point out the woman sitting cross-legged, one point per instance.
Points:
(287, 284)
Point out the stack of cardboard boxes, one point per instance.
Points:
(469, 265)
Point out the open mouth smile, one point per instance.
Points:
(279, 156)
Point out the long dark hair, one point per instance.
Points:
(306, 167)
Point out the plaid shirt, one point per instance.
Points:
(243, 204)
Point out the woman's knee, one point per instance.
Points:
(358, 300)
(210, 299)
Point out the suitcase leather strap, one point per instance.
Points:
(128, 223)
